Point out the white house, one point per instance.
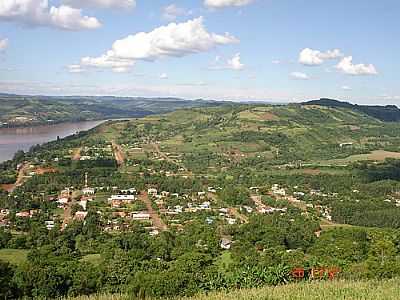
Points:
(140, 216)
(226, 244)
(205, 205)
(118, 200)
(88, 191)
(49, 225)
(83, 204)
(122, 198)
(63, 200)
(152, 192)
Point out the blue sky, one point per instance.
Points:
(276, 50)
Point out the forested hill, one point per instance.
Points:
(18, 110)
(388, 113)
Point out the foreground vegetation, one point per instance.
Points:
(336, 290)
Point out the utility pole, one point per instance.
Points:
(86, 180)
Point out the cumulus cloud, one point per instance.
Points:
(310, 57)
(172, 40)
(101, 3)
(299, 76)
(117, 65)
(163, 76)
(172, 12)
(346, 66)
(39, 13)
(226, 3)
(346, 88)
(3, 44)
(234, 63)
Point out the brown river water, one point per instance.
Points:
(14, 139)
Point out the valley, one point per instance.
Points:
(202, 199)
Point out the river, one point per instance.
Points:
(14, 139)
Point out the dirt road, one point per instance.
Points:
(234, 212)
(76, 155)
(20, 178)
(157, 149)
(157, 221)
(68, 217)
(118, 154)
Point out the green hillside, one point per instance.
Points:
(388, 113)
(37, 110)
(231, 198)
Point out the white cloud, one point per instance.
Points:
(299, 76)
(226, 3)
(172, 12)
(76, 69)
(116, 64)
(163, 76)
(234, 63)
(346, 66)
(276, 62)
(3, 44)
(310, 57)
(101, 3)
(346, 88)
(39, 13)
(172, 40)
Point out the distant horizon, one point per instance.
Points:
(272, 102)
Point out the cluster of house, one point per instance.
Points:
(394, 201)
(277, 190)
(27, 213)
(92, 153)
(226, 215)
(117, 201)
(188, 208)
(116, 224)
(323, 210)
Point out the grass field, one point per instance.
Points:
(377, 155)
(93, 258)
(343, 290)
(13, 256)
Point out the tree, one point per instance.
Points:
(7, 290)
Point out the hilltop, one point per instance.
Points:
(21, 110)
(388, 113)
